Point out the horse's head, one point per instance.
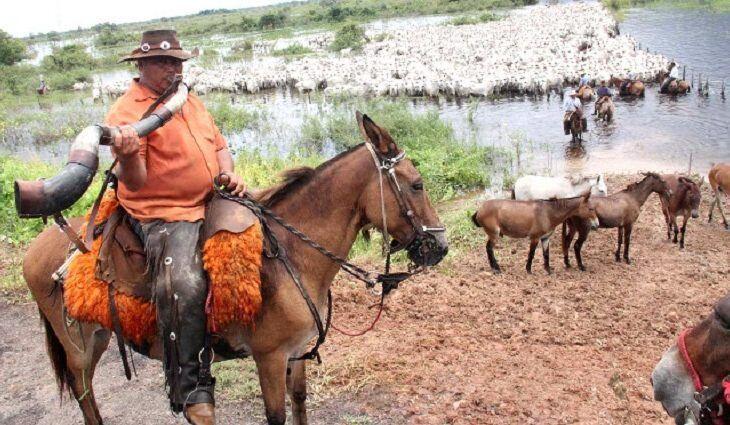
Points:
(587, 210)
(692, 195)
(600, 188)
(657, 184)
(700, 358)
(395, 199)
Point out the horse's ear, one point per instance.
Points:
(375, 135)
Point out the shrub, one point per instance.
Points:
(292, 50)
(113, 38)
(270, 21)
(67, 58)
(12, 50)
(349, 36)
(18, 79)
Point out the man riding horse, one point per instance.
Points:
(673, 76)
(571, 105)
(164, 181)
(604, 93)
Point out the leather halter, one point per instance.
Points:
(711, 399)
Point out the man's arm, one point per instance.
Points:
(225, 163)
(131, 169)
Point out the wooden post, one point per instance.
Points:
(722, 92)
(692, 80)
(707, 86)
(684, 72)
(699, 84)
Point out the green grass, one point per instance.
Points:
(720, 6)
(230, 118)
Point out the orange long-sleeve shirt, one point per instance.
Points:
(181, 158)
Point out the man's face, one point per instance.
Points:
(158, 72)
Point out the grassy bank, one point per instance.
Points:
(721, 6)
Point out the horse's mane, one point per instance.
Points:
(294, 179)
(633, 186)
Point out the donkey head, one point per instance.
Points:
(587, 210)
(396, 199)
(692, 195)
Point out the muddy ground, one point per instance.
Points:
(456, 345)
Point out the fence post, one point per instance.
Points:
(692, 80)
(722, 92)
(689, 169)
(684, 72)
(699, 84)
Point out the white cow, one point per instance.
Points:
(541, 187)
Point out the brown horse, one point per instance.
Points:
(688, 379)
(576, 128)
(632, 88)
(585, 93)
(606, 110)
(619, 210)
(330, 204)
(684, 201)
(674, 87)
(719, 177)
(530, 219)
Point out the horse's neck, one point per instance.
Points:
(641, 191)
(326, 210)
(561, 210)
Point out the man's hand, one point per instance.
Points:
(235, 183)
(126, 143)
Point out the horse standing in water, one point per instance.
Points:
(530, 219)
(330, 204)
(674, 87)
(606, 110)
(619, 210)
(585, 93)
(684, 201)
(576, 128)
(690, 379)
(719, 177)
(627, 87)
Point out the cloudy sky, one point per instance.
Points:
(21, 17)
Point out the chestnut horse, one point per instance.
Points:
(688, 380)
(719, 177)
(684, 201)
(530, 219)
(576, 128)
(619, 210)
(330, 204)
(675, 87)
(634, 88)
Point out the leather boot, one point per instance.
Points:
(200, 414)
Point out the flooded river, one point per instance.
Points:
(654, 133)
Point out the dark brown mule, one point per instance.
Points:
(697, 363)
(619, 210)
(576, 128)
(719, 178)
(529, 219)
(634, 88)
(684, 201)
(330, 204)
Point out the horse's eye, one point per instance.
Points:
(417, 186)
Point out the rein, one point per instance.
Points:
(711, 409)
(388, 280)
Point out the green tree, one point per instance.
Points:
(349, 36)
(12, 50)
(67, 58)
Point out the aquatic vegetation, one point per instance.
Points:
(231, 119)
(295, 49)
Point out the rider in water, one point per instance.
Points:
(673, 76)
(571, 104)
(626, 84)
(603, 93)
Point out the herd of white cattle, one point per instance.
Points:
(530, 51)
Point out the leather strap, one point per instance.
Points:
(116, 325)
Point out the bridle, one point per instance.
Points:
(713, 400)
(422, 244)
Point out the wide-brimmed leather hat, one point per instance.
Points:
(160, 43)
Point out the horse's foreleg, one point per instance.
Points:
(272, 378)
(567, 239)
(722, 213)
(684, 228)
(296, 384)
(578, 245)
(492, 259)
(673, 225)
(620, 239)
(712, 207)
(627, 241)
(531, 255)
(545, 243)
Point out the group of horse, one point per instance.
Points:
(606, 109)
(371, 185)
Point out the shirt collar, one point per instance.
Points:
(141, 93)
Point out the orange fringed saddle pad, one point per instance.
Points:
(233, 264)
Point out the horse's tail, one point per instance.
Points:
(474, 220)
(58, 357)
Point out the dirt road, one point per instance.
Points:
(456, 345)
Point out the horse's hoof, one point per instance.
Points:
(549, 271)
(627, 261)
(582, 268)
(618, 259)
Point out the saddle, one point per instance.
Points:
(122, 262)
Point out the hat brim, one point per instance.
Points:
(183, 55)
